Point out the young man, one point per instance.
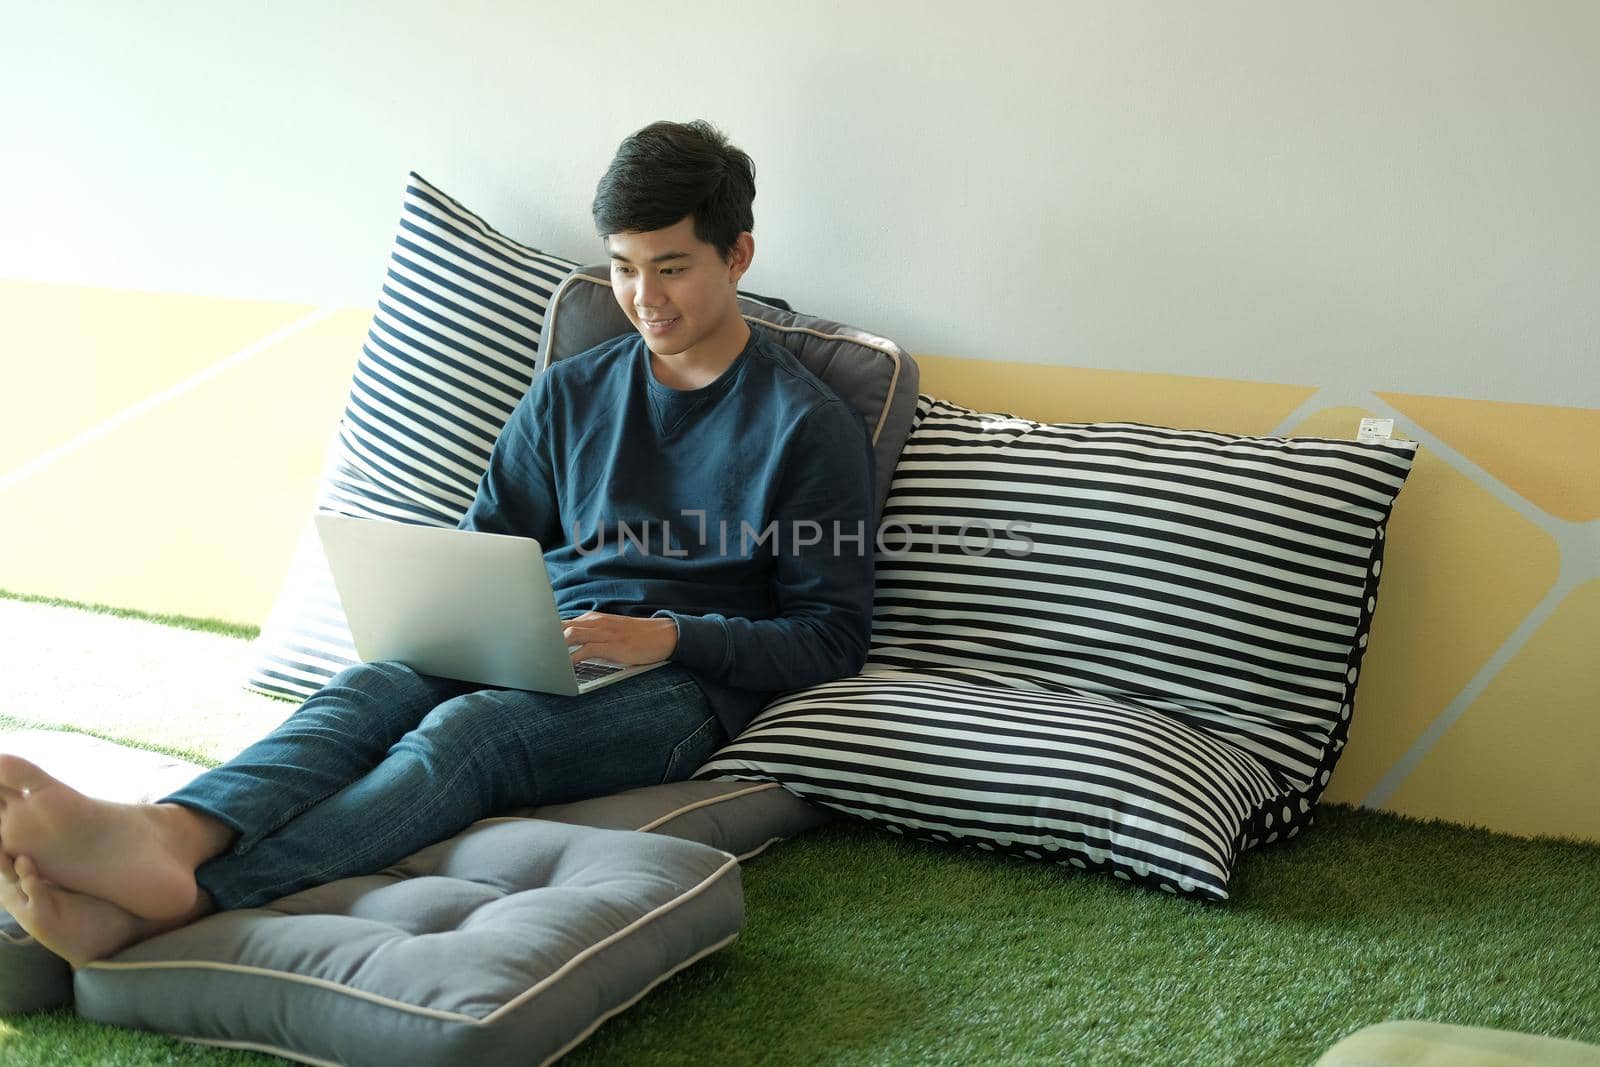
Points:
(701, 498)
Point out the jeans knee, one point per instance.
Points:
(461, 725)
(391, 678)
(370, 700)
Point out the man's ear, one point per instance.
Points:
(740, 256)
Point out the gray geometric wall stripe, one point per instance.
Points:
(1578, 543)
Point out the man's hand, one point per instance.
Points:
(620, 638)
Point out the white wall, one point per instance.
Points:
(1386, 195)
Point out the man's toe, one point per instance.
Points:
(18, 774)
(12, 896)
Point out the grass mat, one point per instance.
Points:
(244, 631)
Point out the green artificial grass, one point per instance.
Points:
(188, 755)
(182, 622)
(861, 948)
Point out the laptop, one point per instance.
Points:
(460, 604)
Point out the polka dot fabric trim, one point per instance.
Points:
(1279, 820)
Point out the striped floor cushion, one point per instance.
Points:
(1079, 779)
(1225, 581)
(450, 352)
(1116, 646)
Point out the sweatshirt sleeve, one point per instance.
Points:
(517, 494)
(822, 589)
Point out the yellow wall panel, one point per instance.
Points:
(193, 507)
(1461, 571)
(1549, 455)
(1525, 756)
(74, 356)
(1076, 394)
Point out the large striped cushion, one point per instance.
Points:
(1225, 581)
(1113, 646)
(1079, 779)
(449, 353)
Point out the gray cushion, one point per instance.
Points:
(743, 818)
(509, 943)
(738, 818)
(870, 373)
(1423, 1043)
(31, 977)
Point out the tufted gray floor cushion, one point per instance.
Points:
(508, 943)
(353, 971)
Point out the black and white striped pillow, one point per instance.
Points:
(1212, 591)
(1079, 779)
(1225, 580)
(449, 353)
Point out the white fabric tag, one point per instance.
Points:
(1374, 431)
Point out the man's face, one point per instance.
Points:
(675, 289)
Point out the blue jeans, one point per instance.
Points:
(383, 761)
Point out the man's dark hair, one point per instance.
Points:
(672, 169)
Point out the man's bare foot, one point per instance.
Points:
(130, 855)
(78, 928)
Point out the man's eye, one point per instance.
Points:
(674, 270)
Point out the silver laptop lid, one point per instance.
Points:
(453, 603)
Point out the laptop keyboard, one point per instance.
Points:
(588, 671)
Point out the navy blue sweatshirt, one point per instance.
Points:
(698, 505)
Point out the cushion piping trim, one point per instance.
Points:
(759, 849)
(662, 820)
(620, 1008)
(550, 979)
(299, 1057)
(893, 356)
(546, 334)
(254, 1046)
(659, 820)
(361, 994)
